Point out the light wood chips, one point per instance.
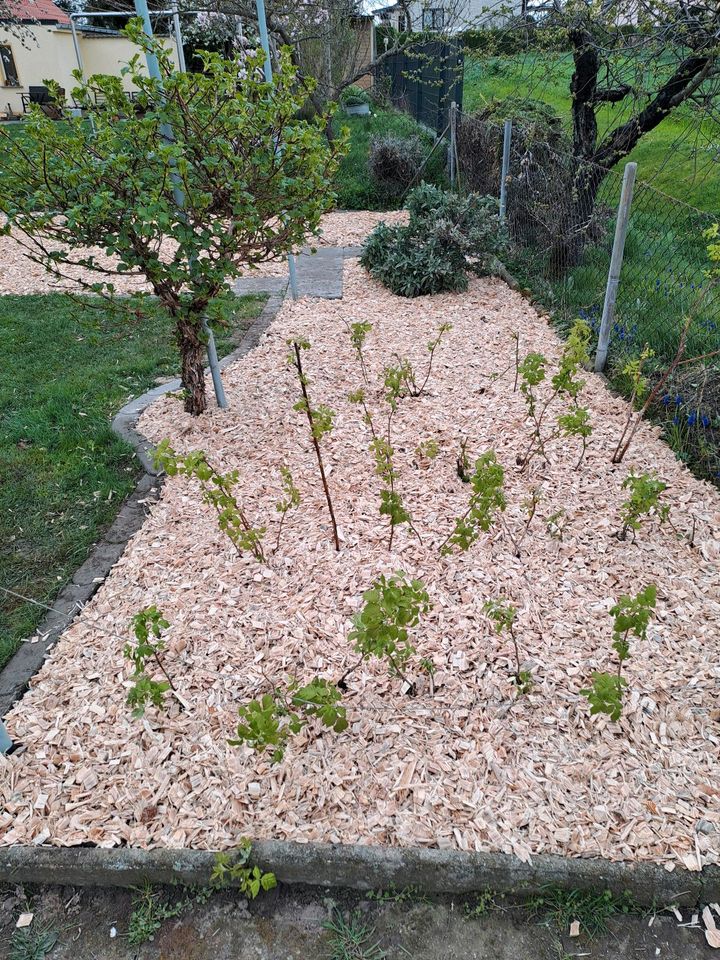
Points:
(473, 766)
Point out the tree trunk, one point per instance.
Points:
(192, 355)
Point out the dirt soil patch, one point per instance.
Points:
(471, 765)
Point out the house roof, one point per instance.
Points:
(28, 11)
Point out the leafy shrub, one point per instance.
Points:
(354, 96)
(446, 237)
(394, 164)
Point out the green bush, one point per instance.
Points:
(354, 96)
(447, 236)
(394, 164)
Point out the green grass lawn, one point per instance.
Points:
(677, 157)
(68, 368)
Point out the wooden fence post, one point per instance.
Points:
(613, 281)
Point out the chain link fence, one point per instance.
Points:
(561, 218)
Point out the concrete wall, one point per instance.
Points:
(47, 54)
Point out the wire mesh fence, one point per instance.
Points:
(561, 216)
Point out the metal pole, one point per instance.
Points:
(5, 741)
(265, 44)
(141, 8)
(507, 138)
(178, 38)
(613, 281)
(453, 134)
(76, 44)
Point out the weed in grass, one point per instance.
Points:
(391, 894)
(352, 939)
(33, 943)
(558, 907)
(483, 904)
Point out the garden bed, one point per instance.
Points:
(471, 765)
(22, 276)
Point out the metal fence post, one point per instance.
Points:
(613, 281)
(507, 138)
(453, 147)
(5, 741)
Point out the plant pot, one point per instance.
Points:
(357, 109)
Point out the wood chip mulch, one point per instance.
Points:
(471, 765)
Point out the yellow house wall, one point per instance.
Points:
(48, 54)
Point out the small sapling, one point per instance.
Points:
(631, 618)
(320, 420)
(147, 625)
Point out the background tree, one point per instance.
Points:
(216, 137)
(634, 64)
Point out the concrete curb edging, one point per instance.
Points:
(358, 867)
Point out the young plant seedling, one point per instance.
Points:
(645, 490)
(234, 869)
(358, 334)
(147, 625)
(381, 629)
(576, 423)
(556, 523)
(217, 491)
(320, 420)
(271, 720)
(503, 615)
(289, 500)
(401, 379)
(391, 502)
(565, 384)
(631, 617)
(486, 499)
(427, 449)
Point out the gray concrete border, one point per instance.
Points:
(359, 867)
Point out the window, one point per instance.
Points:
(8, 65)
(433, 18)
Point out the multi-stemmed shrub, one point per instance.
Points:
(447, 237)
(149, 646)
(217, 491)
(486, 499)
(320, 419)
(394, 163)
(631, 618)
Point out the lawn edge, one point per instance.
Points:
(17, 673)
(364, 867)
